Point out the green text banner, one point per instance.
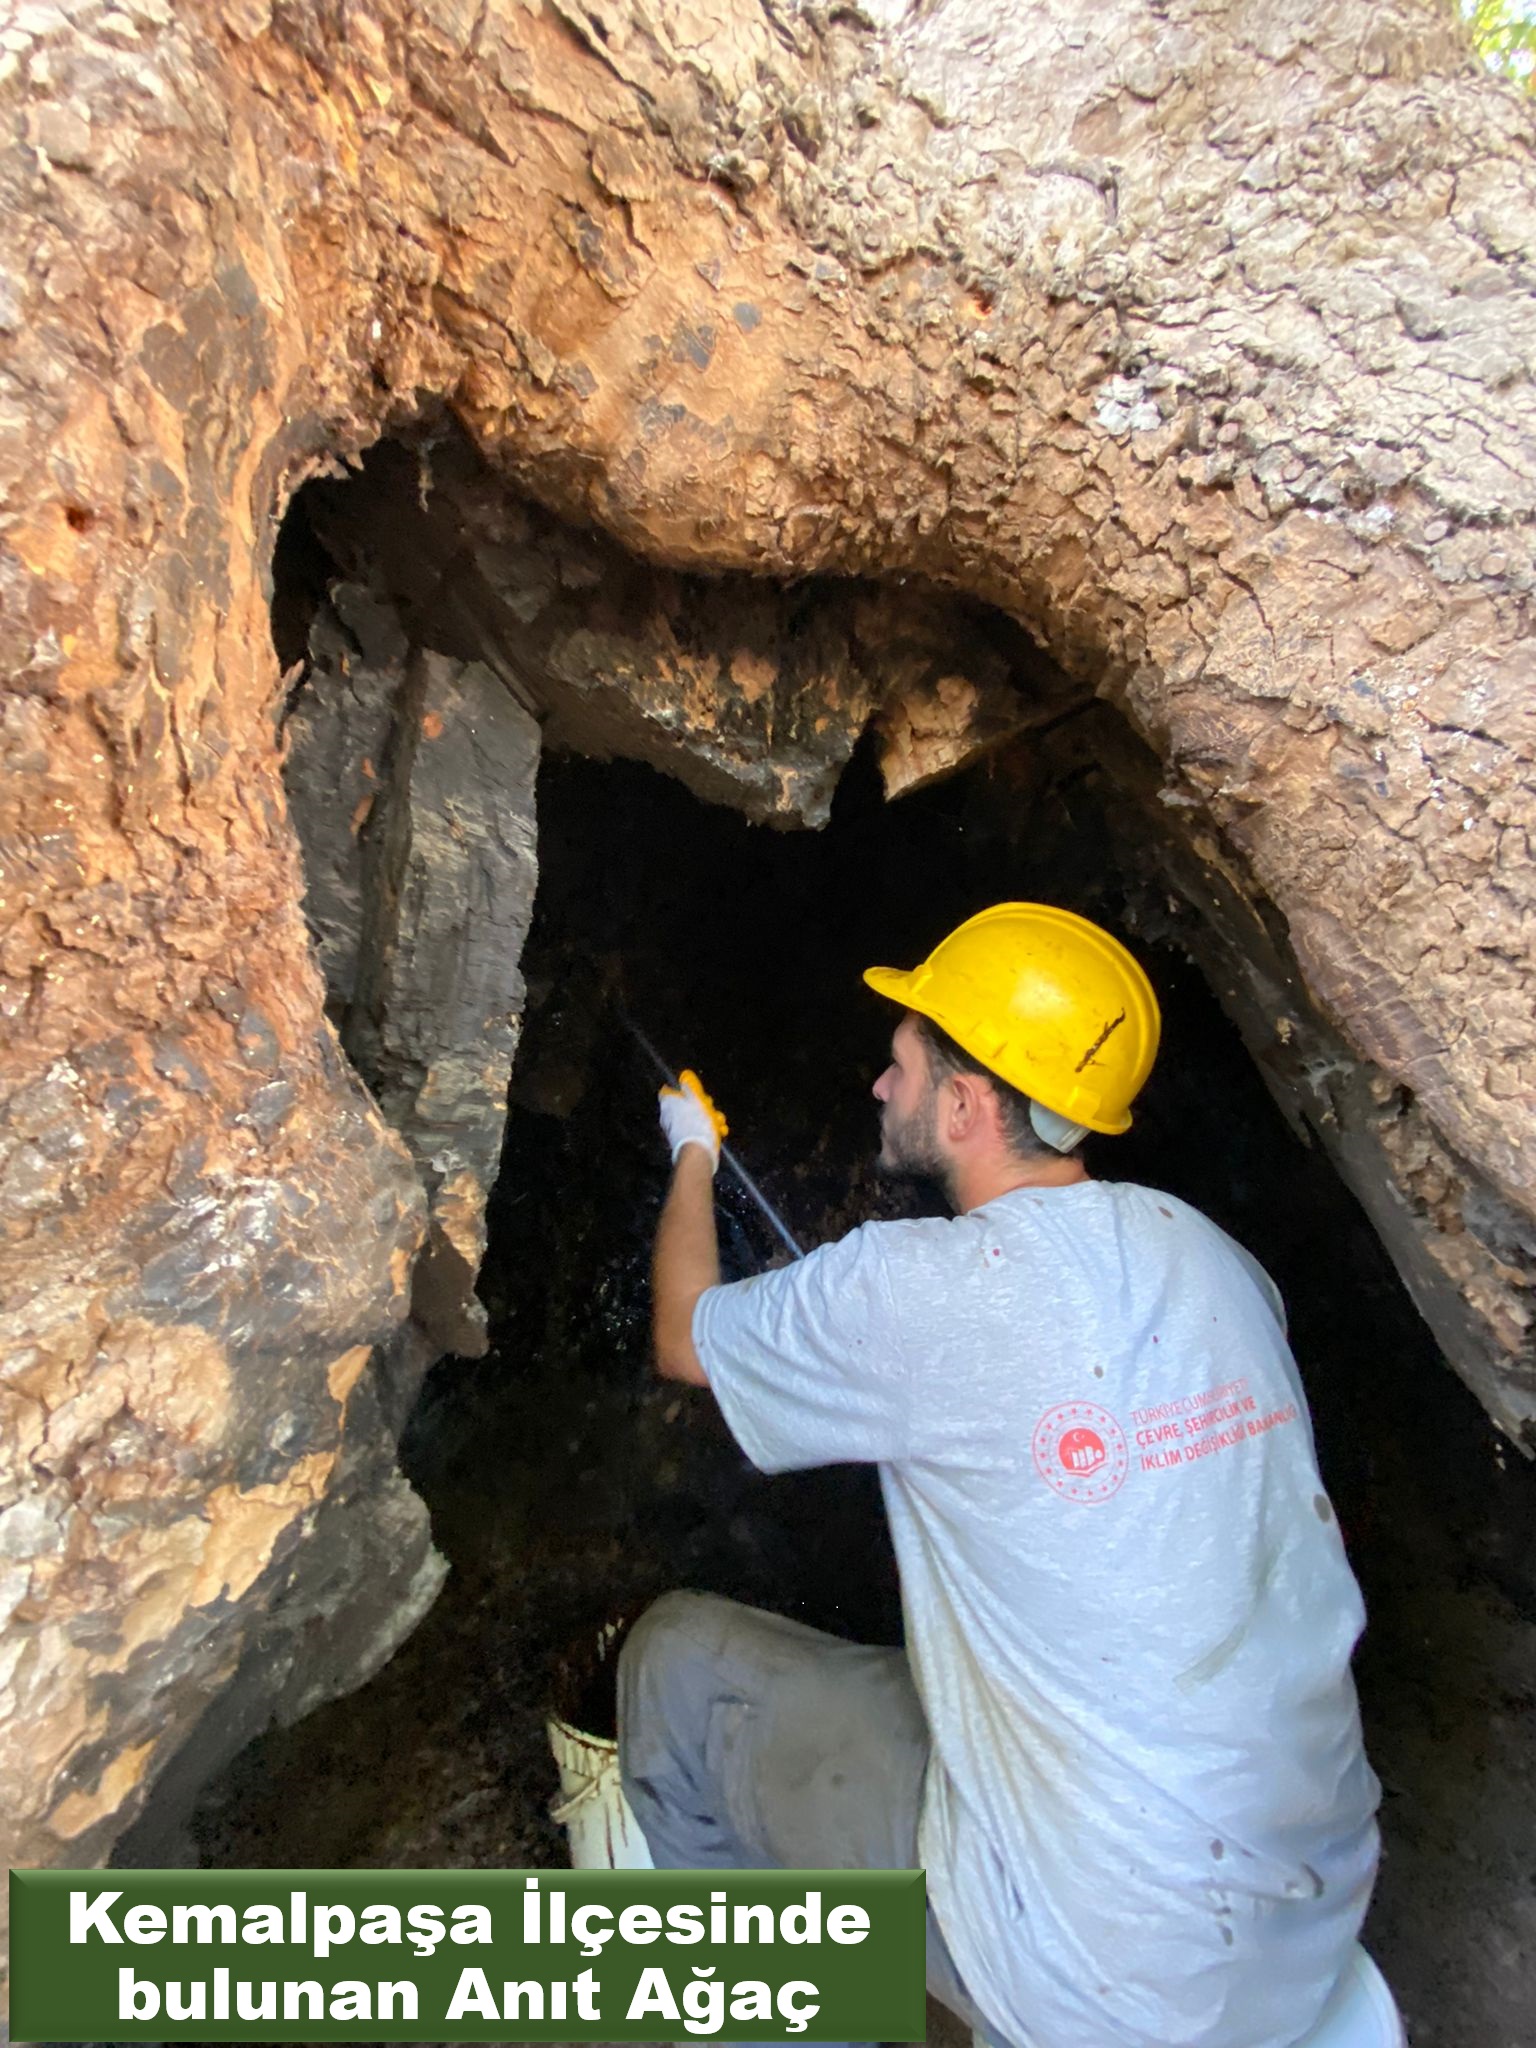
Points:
(461, 1955)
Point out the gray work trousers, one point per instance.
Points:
(750, 1742)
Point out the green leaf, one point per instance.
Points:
(1504, 36)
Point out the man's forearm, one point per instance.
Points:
(686, 1262)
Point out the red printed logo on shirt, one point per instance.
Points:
(1080, 1451)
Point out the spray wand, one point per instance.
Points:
(748, 1184)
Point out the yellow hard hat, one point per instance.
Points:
(1046, 1000)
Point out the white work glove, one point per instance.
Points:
(688, 1117)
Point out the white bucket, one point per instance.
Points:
(598, 1820)
(599, 1823)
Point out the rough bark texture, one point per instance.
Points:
(337, 736)
(1196, 337)
(752, 694)
(410, 777)
(449, 878)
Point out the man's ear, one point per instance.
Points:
(966, 1106)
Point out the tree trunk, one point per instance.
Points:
(1197, 338)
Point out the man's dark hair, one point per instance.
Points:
(945, 1057)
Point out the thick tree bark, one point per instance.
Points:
(1198, 338)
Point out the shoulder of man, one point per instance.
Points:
(898, 1240)
(1217, 1243)
(871, 1252)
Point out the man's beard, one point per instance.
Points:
(910, 1150)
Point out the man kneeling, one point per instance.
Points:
(1123, 1737)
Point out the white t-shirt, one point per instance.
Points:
(1148, 1817)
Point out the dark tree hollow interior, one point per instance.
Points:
(566, 1485)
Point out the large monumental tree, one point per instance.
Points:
(1196, 337)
